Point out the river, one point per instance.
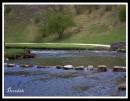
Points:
(58, 82)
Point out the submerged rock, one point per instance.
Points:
(67, 67)
(119, 69)
(102, 68)
(42, 66)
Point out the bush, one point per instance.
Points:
(122, 13)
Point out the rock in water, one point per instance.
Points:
(59, 66)
(118, 46)
(67, 67)
(11, 65)
(79, 68)
(26, 66)
(102, 68)
(122, 86)
(119, 69)
(90, 67)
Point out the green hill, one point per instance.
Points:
(93, 24)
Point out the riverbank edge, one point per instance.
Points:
(57, 46)
(51, 46)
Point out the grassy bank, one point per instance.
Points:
(68, 46)
(14, 53)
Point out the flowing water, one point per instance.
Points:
(58, 82)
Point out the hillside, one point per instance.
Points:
(102, 25)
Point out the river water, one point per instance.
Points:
(58, 82)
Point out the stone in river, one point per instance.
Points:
(79, 68)
(26, 66)
(11, 65)
(118, 46)
(122, 86)
(67, 67)
(119, 69)
(102, 68)
(90, 67)
(59, 66)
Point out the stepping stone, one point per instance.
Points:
(122, 86)
(67, 67)
(79, 68)
(90, 67)
(11, 65)
(26, 66)
(59, 67)
(102, 68)
(119, 69)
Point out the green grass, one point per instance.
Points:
(55, 46)
(97, 28)
(17, 50)
(22, 32)
(11, 53)
(104, 37)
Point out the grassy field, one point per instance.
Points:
(99, 27)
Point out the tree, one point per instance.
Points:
(57, 22)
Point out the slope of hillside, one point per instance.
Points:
(100, 26)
